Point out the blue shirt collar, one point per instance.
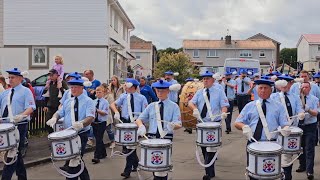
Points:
(18, 87)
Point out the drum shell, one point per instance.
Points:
(8, 137)
(122, 133)
(59, 126)
(258, 159)
(209, 136)
(150, 151)
(287, 142)
(70, 145)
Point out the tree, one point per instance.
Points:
(176, 62)
(289, 56)
(168, 50)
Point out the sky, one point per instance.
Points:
(167, 22)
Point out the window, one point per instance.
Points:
(39, 56)
(116, 21)
(196, 53)
(245, 53)
(111, 18)
(318, 47)
(261, 54)
(124, 34)
(138, 56)
(212, 53)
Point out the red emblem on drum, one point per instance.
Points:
(292, 143)
(211, 136)
(61, 148)
(1, 140)
(269, 165)
(60, 127)
(127, 136)
(157, 157)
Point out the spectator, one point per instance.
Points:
(147, 91)
(3, 84)
(95, 83)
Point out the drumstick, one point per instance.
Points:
(254, 139)
(4, 118)
(218, 115)
(297, 115)
(120, 121)
(145, 136)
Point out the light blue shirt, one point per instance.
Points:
(275, 116)
(171, 113)
(86, 109)
(103, 106)
(66, 95)
(312, 103)
(295, 102)
(295, 88)
(246, 86)
(217, 101)
(231, 95)
(22, 99)
(140, 103)
(173, 95)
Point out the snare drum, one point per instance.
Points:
(7, 136)
(59, 125)
(65, 144)
(155, 155)
(126, 134)
(264, 160)
(209, 134)
(292, 143)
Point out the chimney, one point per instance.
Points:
(228, 39)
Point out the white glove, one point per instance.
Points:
(196, 114)
(12, 153)
(74, 162)
(175, 87)
(170, 127)
(77, 125)
(286, 131)
(224, 116)
(306, 108)
(19, 118)
(51, 122)
(246, 130)
(301, 116)
(116, 115)
(142, 130)
(131, 147)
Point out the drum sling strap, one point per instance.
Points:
(263, 123)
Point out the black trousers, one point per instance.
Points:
(229, 117)
(131, 161)
(98, 132)
(208, 156)
(242, 100)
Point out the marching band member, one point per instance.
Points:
(16, 102)
(228, 86)
(304, 76)
(292, 104)
(316, 78)
(160, 126)
(309, 128)
(250, 120)
(79, 116)
(131, 103)
(173, 96)
(209, 101)
(243, 85)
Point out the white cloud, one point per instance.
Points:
(168, 22)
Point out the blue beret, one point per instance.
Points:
(264, 81)
(168, 72)
(133, 81)
(275, 73)
(207, 74)
(228, 73)
(161, 84)
(317, 75)
(74, 74)
(243, 71)
(76, 81)
(286, 77)
(265, 77)
(14, 71)
(189, 79)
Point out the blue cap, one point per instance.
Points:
(189, 79)
(15, 71)
(207, 74)
(243, 71)
(74, 74)
(265, 77)
(275, 73)
(161, 84)
(264, 81)
(76, 81)
(133, 81)
(169, 72)
(228, 73)
(285, 77)
(317, 75)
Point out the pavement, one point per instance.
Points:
(231, 161)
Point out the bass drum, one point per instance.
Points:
(187, 92)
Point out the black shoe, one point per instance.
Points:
(95, 161)
(206, 177)
(310, 176)
(125, 175)
(64, 168)
(134, 170)
(300, 169)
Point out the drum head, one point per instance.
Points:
(126, 125)
(209, 125)
(295, 130)
(155, 142)
(62, 134)
(265, 146)
(6, 126)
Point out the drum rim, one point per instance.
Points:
(127, 144)
(72, 136)
(142, 143)
(65, 158)
(122, 124)
(3, 130)
(155, 169)
(263, 176)
(209, 144)
(209, 127)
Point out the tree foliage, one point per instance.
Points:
(168, 50)
(176, 62)
(289, 56)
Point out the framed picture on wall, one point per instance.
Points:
(39, 56)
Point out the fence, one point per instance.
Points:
(38, 120)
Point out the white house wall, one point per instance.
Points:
(303, 50)
(1, 23)
(75, 59)
(58, 22)
(145, 62)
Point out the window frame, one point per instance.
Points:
(209, 55)
(243, 52)
(264, 54)
(116, 23)
(196, 50)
